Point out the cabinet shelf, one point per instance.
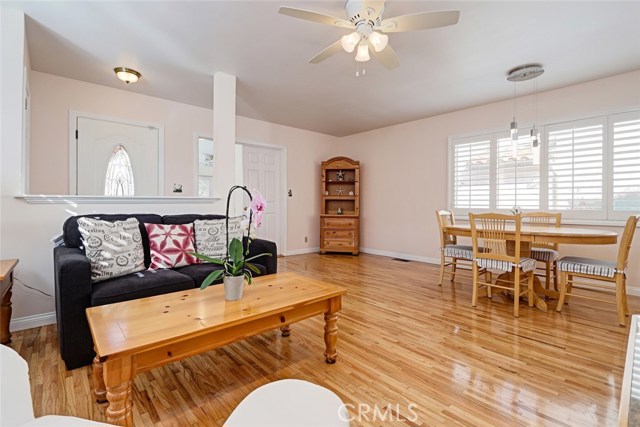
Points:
(340, 232)
(339, 197)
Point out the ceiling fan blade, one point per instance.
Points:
(420, 21)
(387, 57)
(315, 17)
(331, 50)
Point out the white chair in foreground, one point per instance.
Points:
(16, 407)
(290, 403)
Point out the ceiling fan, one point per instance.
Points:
(365, 17)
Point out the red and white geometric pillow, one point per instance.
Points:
(170, 245)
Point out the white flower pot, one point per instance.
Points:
(233, 287)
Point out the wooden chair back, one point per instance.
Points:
(625, 242)
(489, 231)
(542, 220)
(445, 219)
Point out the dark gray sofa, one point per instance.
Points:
(75, 292)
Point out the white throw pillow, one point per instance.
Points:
(211, 237)
(113, 248)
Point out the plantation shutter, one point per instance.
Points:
(576, 166)
(518, 175)
(471, 174)
(626, 163)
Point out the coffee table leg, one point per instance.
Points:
(118, 377)
(286, 330)
(100, 390)
(331, 330)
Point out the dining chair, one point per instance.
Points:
(598, 270)
(501, 252)
(545, 252)
(451, 253)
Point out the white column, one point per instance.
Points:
(224, 131)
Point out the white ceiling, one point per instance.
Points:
(177, 46)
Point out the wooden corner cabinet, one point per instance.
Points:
(340, 207)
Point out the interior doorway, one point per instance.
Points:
(263, 167)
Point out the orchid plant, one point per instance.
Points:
(235, 263)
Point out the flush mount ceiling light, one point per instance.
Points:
(127, 75)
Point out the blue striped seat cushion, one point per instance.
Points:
(544, 255)
(596, 267)
(459, 251)
(526, 264)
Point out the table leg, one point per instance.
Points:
(5, 317)
(331, 330)
(286, 330)
(118, 378)
(100, 390)
(537, 289)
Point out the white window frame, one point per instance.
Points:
(606, 216)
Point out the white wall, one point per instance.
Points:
(404, 167)
(52, 97)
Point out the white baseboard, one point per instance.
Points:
(34, 321)
(633, 290)
(409, 257)
(302, 251)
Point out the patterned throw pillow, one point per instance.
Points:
(170, 245)
(211, 238)
(113, 248)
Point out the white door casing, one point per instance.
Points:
(96, 140)
(262, 171)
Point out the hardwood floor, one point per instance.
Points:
(403, 340)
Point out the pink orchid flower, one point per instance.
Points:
(258, 206)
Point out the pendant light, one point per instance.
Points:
(521, 74)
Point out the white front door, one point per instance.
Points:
(261, 171)
(96, 141)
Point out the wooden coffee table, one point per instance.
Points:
(142, 334)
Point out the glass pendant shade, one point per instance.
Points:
(514, 130)
(378, 41)
(535, 138)
(363, 53)
(350, 41)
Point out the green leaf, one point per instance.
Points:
(258, 256)
(247, 275)
(215, 275)
(253, 268)
(235, 250)
(206, 258)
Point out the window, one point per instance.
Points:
(518, 174)
(626, 163)
(119, 179)
(587, 169)
(576, 166)
(471, 174)
(205, 167)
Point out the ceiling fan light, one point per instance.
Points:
(363, 53)
(350, 41)
(378, 41)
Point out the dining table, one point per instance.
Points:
(530, 234)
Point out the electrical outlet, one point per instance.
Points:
(306, 239)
